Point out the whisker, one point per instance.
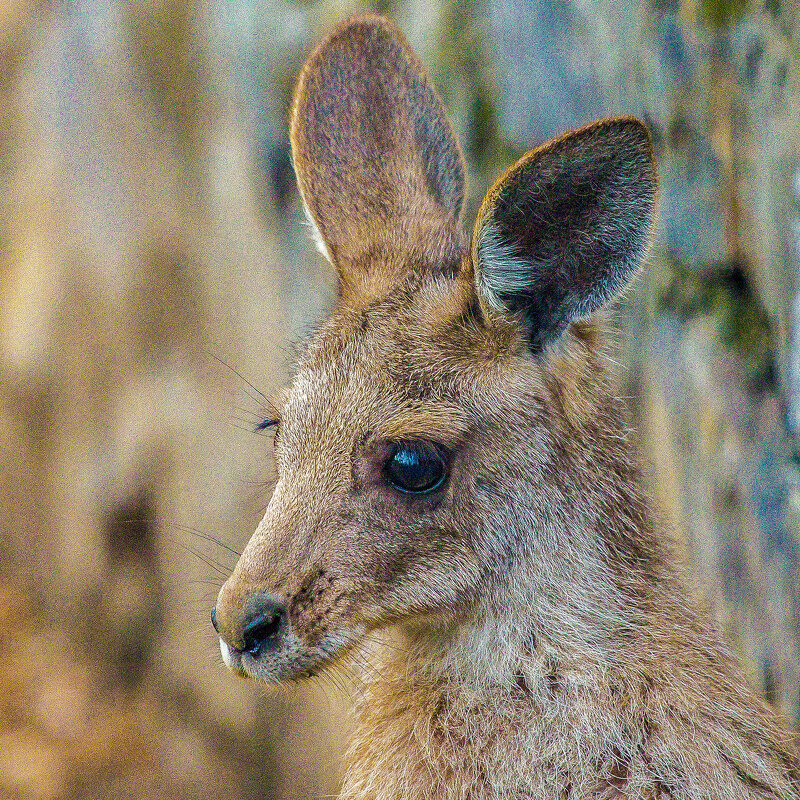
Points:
(207, 537)
(257, 414)
(215, 565)
(201, 581)
(241, 377)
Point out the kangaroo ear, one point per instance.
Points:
(375, 155)
(566, 227)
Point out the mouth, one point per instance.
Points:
(292, 661)
(233, 659)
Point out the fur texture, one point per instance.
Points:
(521, 631)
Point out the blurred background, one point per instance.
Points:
(155, 273)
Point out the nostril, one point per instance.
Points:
(214, 618)
(262, 631)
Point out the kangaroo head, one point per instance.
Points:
(428, 438)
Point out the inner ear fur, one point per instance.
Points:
(566, 227)
(376, 158)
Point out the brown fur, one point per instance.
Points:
(522, 632)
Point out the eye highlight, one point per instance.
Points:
(417, 467)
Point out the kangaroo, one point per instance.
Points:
(458, 507)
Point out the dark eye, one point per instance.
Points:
(416, 467)
(266, 425)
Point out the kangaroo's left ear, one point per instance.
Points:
(566, 227)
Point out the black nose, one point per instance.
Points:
(214, 618)
(262, 628)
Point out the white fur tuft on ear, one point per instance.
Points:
(502, 268)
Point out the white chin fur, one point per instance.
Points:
(227, 654)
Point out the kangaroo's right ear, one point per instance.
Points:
(375, 156)
(566, 227)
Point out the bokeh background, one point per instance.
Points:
(155, 273)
